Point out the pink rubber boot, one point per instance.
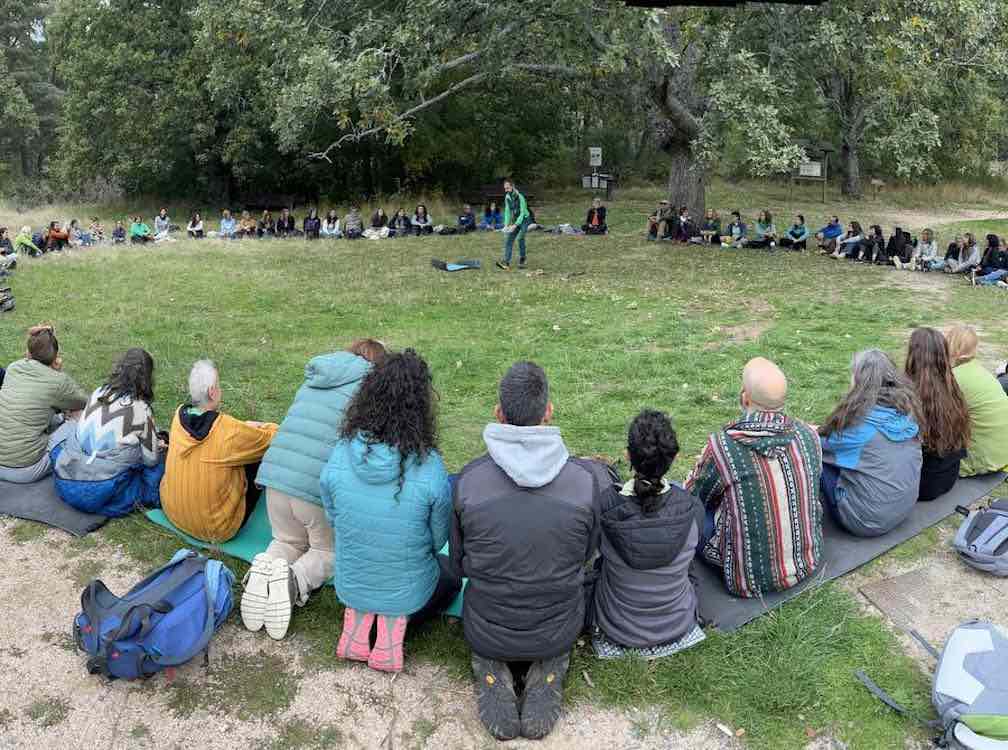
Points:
(355, 640)
(387, 654)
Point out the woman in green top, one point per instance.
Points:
(765, 232)
(139, 232)
(987, 404)
(23, 243)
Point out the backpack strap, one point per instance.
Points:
(883, 696)
(924, 643)
(991, 537)
(211, 570)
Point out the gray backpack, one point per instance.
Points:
(982, 539)
(970, 691)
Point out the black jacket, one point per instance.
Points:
(601, 216)
(285, 226)
(312, 226)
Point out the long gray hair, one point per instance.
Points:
(876, 382)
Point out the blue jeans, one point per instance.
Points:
(509, 240)
(707, 533)
(828, 485)
(991, 278)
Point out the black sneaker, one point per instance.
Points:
(543, 696)
(439, 264)
(496, 702)
(522, 264)
(503, 266)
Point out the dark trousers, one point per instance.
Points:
(196, 235)
(589, 229)
(828, 484)
(792, 245)
(448, 586)
(252, 493)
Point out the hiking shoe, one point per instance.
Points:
(543, 696)
(522, 264)
(503, 266)
(496, 702)
(253, 601)
(387, 654)
(355, 640)
(282, 595)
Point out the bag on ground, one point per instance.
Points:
(982, 539)
(164, 621)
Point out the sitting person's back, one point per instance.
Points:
(871, 452)
(207, 490)
(524, 528)
(650, 530)
(745, 518)
(987, 404)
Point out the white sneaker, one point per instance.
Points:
(278, 606)
(1001, 284)
(253, 601)
(898, 263)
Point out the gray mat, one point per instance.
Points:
(842, 554)
(39, 502)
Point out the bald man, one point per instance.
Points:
(758, 479)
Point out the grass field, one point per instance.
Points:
(618, 323)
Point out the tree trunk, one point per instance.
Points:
(687, 181)
(850, 165)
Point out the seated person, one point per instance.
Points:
(6, 249)
(987, 403)
(78, 237)
(595, 221)
(421, 221)
(871, 450)
(248, 228)
(964, 258)
(195, 226)
(736, 233)
(23, 243)
(312, 225)
(684, 226)
(208, 490)
(56, 238)
(762, 442)
(710, 229)
(378, 219)
(38, 405)
(97, 230)
(924, 256)
(265, 226)
(523, 530)
(872, 246)
(944, 417)
(796, 237)
(898, 247)
(285, 225)
(118, 233)
(828, 235)
(493, 219)
(113, 460)
(400, 225)
(644, 598)
(331, 225)
(993, 265)
(849, 245)
(467, 219)
(162, 225)
(228, 226)
(302, 545)
(387, 494)
(661, 224)
(353, 224)
(140, 233)
(764, 233)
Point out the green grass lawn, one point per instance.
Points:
(618, 323)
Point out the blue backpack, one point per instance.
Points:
(164, 621)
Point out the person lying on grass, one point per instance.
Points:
(785, 453)
(39, 404)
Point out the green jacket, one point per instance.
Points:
(32, 393)
(23, 244)
(515, 207)
(988, 410)
(139, 229)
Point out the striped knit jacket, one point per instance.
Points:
(760, 476)
(105, 427)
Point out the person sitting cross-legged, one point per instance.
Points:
(595, 222)
(302, 537)
(388, 496)
(661, 224)
(467, 219)
(758, 479)
(208, 490)
(140, 232)
(524, 528)
(796, 237)
(39, 404)
(643, 598)
(987, 402)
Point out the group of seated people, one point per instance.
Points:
(552, 545)
(56, 238)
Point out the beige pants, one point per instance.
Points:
(303, 537)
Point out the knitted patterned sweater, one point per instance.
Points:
(121, 422)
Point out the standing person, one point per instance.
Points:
(595, 221)
(796, 238)
(312, 225)
(516, 221)
(285, 226)
(871, 450)
(987, 403)
(195, 226)
(944, 415)
(114, 459)
(524, 528)
(331, 225)
(39, 404)
(162, 225)
(302, 546)
(421, 221)
(140, 233)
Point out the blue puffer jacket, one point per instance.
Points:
(298, 453)
(385, 545)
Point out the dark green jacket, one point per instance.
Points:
(515, 207)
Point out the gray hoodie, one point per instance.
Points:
(531, 456)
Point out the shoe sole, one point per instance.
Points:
(544, 698)
(278, 604)
(496, 704)
(256, 594)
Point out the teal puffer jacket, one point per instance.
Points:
(386, 538)
(298, 453)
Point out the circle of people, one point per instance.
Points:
(986, 266)
(552, 545)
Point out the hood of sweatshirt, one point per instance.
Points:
(766, 433)
(531, 456)
(328, 371)
(893, 424)
(195, 427)
(374, 463)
